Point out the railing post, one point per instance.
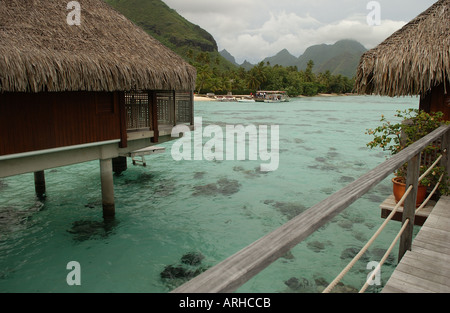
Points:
(446, 146)
(191, 106)
(174, 107)
(409, 207)
(119, 96)
(153, 111)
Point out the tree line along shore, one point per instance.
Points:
(213, 78)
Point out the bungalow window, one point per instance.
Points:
(137, 111)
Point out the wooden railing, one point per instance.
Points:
(234, 271)
(172, 108)
(138, 113)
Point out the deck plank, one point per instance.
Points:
(435, 235)
(432, 246)
(389, 204)
(403, 283)
(426, 268)
(429, 271)
(411, 282)
(440, 262)
(438, 222)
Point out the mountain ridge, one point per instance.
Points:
(227, 55)
(170, 28)
(340, 58)
(283, 58)
(192, 42)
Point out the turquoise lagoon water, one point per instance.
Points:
(215, 208)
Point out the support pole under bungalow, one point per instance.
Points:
(106, 175)
(39, 184)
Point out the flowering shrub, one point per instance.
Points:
(396, 137)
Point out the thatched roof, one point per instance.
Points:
(412, 60)
(39, 51)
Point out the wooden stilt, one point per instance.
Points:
(39, 184)
(107, 182)
(119, 165)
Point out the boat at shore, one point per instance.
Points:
(225, 98)
(271, 96)
(247, 99)
(229, 98)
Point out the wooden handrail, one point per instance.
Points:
(237, 269)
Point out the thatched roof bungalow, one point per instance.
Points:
(75, 92)
(40, 51)
(44, 60)
(415, 60)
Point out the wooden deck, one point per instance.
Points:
(426, 268)
(389, 204)
(142, 153)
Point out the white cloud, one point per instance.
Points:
(358, 29)
(254, 29)
(291, 32)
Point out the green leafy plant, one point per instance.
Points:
(433, 177)
(394, 137)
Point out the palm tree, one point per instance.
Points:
(257, 76)
(203, 74)
(190, 54)
(203, 58)
(308, 72)
(253, 80)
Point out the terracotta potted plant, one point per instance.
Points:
(395, 137)
(399, 186)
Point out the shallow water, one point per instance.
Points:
(214, 208)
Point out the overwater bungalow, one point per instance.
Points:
(415, 60)
(95, 89)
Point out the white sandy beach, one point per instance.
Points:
(202, 98)
(198, 98)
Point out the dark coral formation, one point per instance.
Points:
(223, 186)
(190, 266)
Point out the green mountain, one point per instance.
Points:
(228, 56)
(344, 64)
(192, 42)
(283, 58)
(170, 28)
(247, 65)
(340, 58)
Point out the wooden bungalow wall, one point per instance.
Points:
(437, 100)
(30, 122)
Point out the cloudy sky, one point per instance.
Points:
(254, 29)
